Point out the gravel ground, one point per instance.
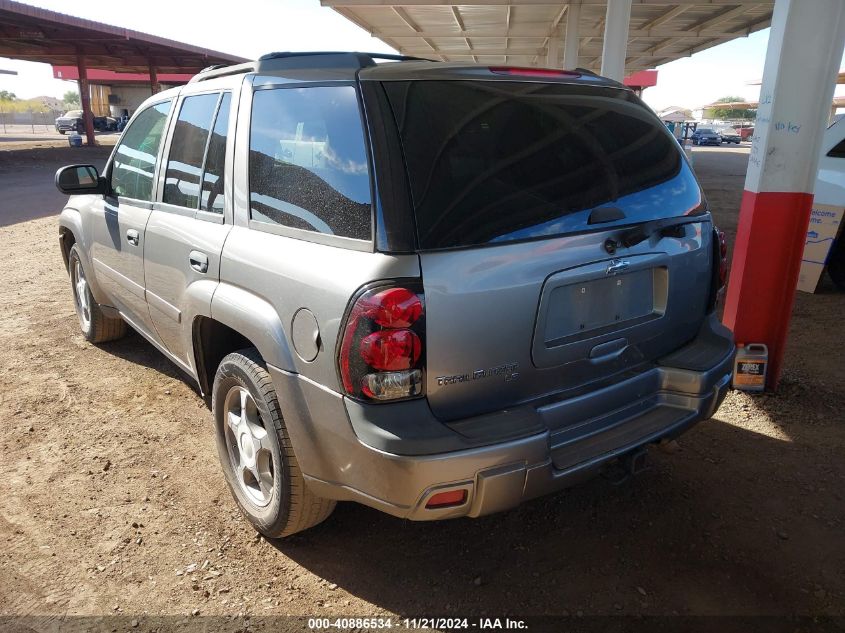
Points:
(113, 502)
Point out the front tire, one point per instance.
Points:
(95, 325)
(255, 450)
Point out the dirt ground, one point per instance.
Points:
(113, 503)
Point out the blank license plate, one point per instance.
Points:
(599, 304)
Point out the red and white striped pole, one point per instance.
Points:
(802, 61)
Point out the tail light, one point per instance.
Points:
(723, 260)
(381, 348)
(720, 268)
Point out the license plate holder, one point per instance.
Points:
(593, 306)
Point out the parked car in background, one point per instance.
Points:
(745, 133)
(729, 135)
(434, 289)
(706, 136)
(72, 121)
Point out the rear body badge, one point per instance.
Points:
(617, 266)
(510, 372)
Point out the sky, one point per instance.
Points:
(260, 26)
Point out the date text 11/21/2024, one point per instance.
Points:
(449, 624)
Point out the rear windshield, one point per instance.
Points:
(496, 161)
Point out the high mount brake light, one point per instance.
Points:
(380, 356)
(532, 72)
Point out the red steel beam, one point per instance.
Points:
(85, 99)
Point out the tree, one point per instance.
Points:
(734, 113)
(71, 97)
(5, 95)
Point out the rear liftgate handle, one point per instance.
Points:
(199, 261)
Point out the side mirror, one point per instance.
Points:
(79, 179)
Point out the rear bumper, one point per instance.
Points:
(347, 452)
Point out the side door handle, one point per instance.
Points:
(133, 237)
(199, 261)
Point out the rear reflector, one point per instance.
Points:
(533, 72)
(446, 499)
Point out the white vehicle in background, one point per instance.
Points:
(830, 193)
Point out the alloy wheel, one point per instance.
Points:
(249, 448)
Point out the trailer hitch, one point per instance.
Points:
(627, 466)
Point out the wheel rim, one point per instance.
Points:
(81, 295)
(249, 448)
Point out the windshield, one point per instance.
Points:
(493, 162)
(74, 113)
(706, 130)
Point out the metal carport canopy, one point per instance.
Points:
(38, 35)
(531, 32)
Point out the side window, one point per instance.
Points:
(135, 157)
(838, 150)
(308, 162)
(212, 179)
(187, 150)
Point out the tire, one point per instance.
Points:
(263, 476)
(95, 325)
(62, 132)
(836, 263)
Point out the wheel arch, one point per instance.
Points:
(238, 319)
(70, 231)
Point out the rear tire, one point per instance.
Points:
(836, 263)
(255, 450)
(95, 325)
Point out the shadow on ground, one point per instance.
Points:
(685, 533)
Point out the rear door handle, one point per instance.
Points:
(199, 261)
(133, 237)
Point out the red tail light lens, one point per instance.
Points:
(719, 277)
(394, 307)
(391, 349)
(381, 349)
(723, 259)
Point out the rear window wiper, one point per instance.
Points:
(668, 227)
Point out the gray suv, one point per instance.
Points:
(435, 289)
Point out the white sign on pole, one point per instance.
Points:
(825, 224)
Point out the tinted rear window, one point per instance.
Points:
(502, 161)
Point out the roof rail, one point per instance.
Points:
(302, 59)
(327, 59)
(222, 70)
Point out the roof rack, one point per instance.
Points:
(304, 59)
(221, 70)
(333, 59)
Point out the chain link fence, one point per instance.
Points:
(38, 122)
